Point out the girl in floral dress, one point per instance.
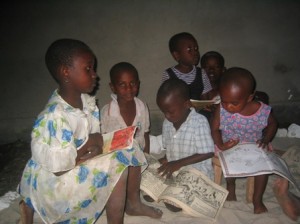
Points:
(67, 180)
(238, 119)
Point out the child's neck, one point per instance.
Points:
(184, 68)
(178, 124)
(127, 111)
(71, 98)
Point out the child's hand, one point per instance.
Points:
(91, 152)
(264, 145)
(96, 139)
(229, 144)
(168, 168)
(163, 160)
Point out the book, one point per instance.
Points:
(188, 189)
(200, 104)
(247, 159)
(118, 139)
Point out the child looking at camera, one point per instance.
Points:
(184, 49)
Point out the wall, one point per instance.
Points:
(262, 36)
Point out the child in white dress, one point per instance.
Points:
(66, 181)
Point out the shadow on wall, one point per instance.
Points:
(287, 114)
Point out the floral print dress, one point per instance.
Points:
(79, 195)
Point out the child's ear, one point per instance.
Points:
(251, 97)
(188, 104)
(176, 55)
(112, 87)
(63, 72)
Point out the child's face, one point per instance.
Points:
(187, 53)
(213, 69)
(126, 85)
(81, 76)
(174, 108)
(234, 98)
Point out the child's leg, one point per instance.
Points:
(260, 183)
(231, 188)
(26, 213)
(134, 206)
(289, 202)
(116, 203)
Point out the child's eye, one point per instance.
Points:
(88, 68)
(133, 84)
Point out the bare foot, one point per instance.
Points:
(289, 203)
(259, 208)
(140, 209)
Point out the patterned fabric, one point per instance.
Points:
(193, 137)
(111, 119)
(79, 195)
(190, 77)
(244, 128)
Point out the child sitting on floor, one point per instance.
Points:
(65, 181)
(241, 119)
(185, 133)
(125, 109)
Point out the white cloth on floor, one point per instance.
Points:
(281, 132)
(293, 131)
(156, 144)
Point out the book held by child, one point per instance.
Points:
(247, 159)
(188, 189)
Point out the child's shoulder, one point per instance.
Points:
(196, 118)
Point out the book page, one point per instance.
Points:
(247, 159)
(119, 139)
(152, 183)
(196, 194)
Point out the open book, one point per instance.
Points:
(200, 104)
(119, 139)
(247, 159)
(188, 189)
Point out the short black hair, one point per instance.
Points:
(122, 66)
(61, 53)
(173, 86)
(174, 40)
(212, 54)
(240, 77)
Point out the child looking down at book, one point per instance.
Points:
(184, 49)
(238, 119)
(125, 109)
(185, 133)
(65, 181)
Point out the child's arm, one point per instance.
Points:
(91, 148)
(269, 132)
(170, 167)
(216, 133)
(147, 143)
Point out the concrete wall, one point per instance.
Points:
(262, 36)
